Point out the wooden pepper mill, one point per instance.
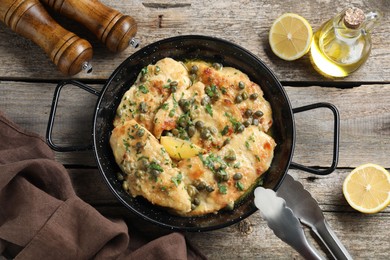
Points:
(29, 18)
(113, 28)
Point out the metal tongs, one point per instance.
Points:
(290, 205)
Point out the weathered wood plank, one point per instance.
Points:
(364, 137)
(242, 22)
(251, 238)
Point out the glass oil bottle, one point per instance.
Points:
(342, 44)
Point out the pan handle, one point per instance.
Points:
(336, 138)
(52, 115)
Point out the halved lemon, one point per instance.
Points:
(290, 36)
(178, 148)
(367, 188)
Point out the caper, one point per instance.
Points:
(248, 113)
(205, 100)
(173, 89)
(140, 132)
(175, 132)
(192, 191)
(144, 164)
(237, 176)
(194, 69)
(254, 96)
(181, 102)
(222, 166)
(217, 66)
(156, 70)
(143, 78)
(241, 85)
(255, 122)
(143, 108)
(199, 125)
(196, 201)
(244, 95)
(225, 177)
(222, 176)
(173, 83)
(230, 156)
(193, 206)
(247, 123)
(183, 122)
(184, 105)
(191, 131)
(192, 78)
(240, 128)
(238, 99)
(205, 133)
(210, 189)
(258, 113)
(200, 185)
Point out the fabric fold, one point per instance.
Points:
(41, 216)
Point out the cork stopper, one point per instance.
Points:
(354, 17)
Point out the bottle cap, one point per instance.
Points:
(354, 17)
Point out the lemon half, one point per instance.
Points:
(179, 149)
(367, 188)
(290, 36)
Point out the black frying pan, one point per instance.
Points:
(208, 49)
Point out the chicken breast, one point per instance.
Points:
(221, 178)
(147, 168)
(153, 86)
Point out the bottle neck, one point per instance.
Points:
(343, 31)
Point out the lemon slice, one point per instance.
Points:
(290, 36)
(367, 188)
(179, 149)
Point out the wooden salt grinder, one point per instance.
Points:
(111, 27)
(29, 18)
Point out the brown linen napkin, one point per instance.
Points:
(41, 217)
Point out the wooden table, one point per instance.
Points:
(28, 79)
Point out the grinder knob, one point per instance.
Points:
(111, 27)
(29, 18)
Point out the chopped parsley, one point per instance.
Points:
(155, 166)
(233, 121)
(222, 188)
(144, 70)
(165, 106)
(225, 130)
(177, 180)
(143, 89)
(209, 109)
(126, 144)
(239, 186)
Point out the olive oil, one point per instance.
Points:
(342, 44)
